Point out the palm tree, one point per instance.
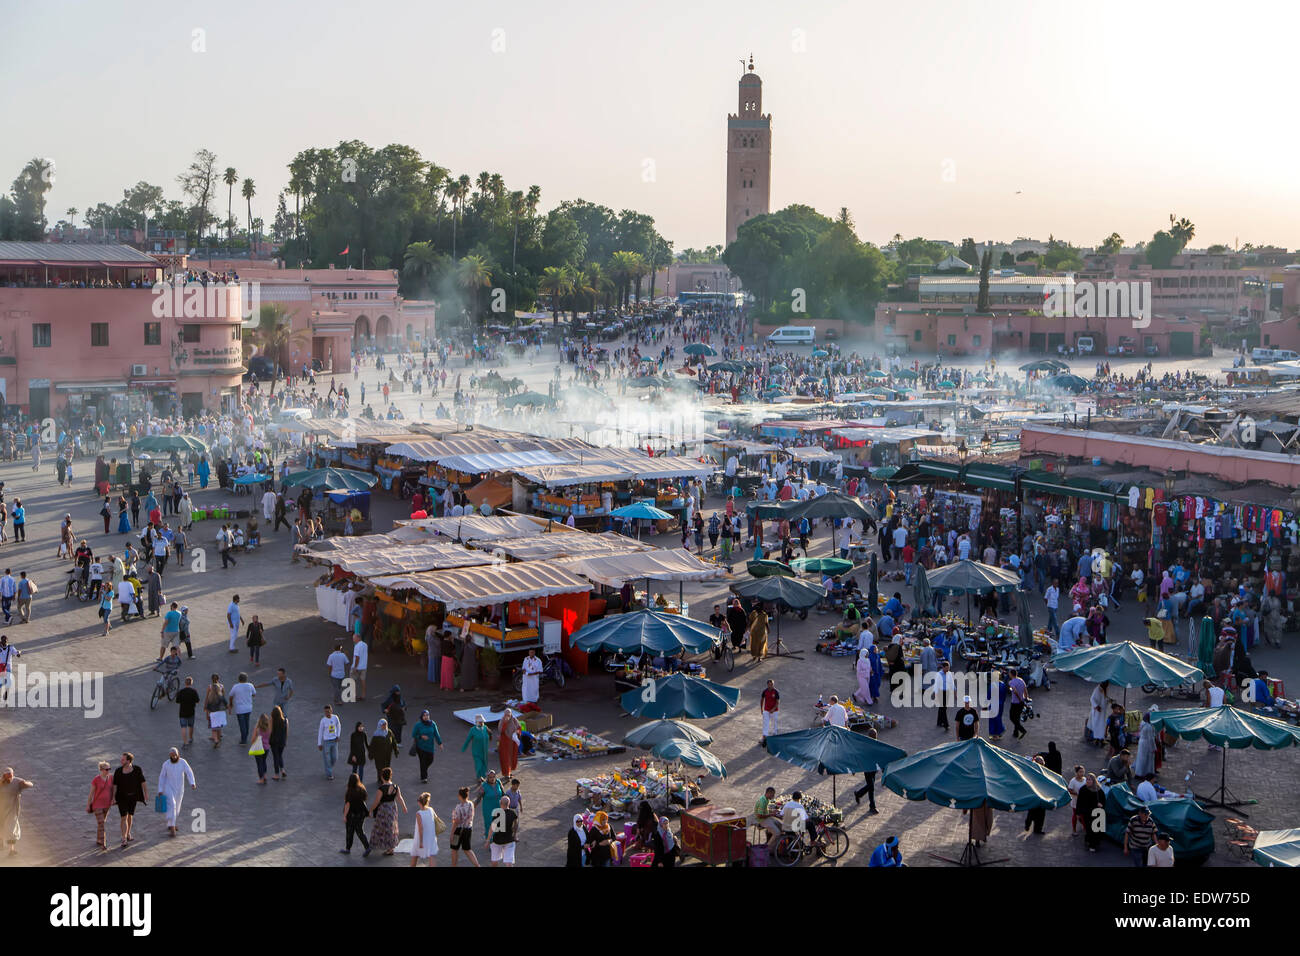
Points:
(248, 192)
(557, 281)
(421, 259)
(230, 177)
(483, 184)
(72, 216)
(533, 199)
(497, 186)
(274, 333)
(595, 283)
(472, 274)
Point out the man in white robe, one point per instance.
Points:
(268, 505)
(1098, 708)
(172, 778)
(532, 668)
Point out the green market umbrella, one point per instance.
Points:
(1069, 383)
(778, 367)
(1230, 728)
(645, 381)
(922, 593)
(699, 348)
(1025, 630)
(768, 567)
(646, 630)
(972, 577)
(532, 399)
(1277, 848)
(906, 373)
(974, 774)
(1190, 827)
(648, 358)
(185, 444)
(820, 353)
(887, 471)
(1045, 365)
(873, 585)
(727, 366)
(946, 383)
(831, 566)
(649, 735)
(877, 374)
(778, 588)
(833, 750)
(1205, 648)
(693, 755)
(641, 509)
(1127, 664)
(332, 479)
(833, 504)
(678, 696)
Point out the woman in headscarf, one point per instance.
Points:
(383, 832)
(665, 844)
(1089, 801)
(357, 750)
(996, 726)
(476, 741)
(758, 634)
(508, 743)
(1081, 594)
(863, 670)
(873, 655)
(447, 667)
(382, 746)
(577, 840)
(393, 708)
(468, 666)
(599, 841)
(203, 470)
(123, 519)
(737, 621)
(1052, 758)
(1145, 762)
(488, 798)
(1096, 624)
(1098, 709)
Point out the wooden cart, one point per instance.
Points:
(716, 837)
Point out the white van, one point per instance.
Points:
(794, 335)
(1262, 356)
(1285, 355)
(1085, 345)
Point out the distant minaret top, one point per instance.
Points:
(751, 63)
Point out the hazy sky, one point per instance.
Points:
(921, 118)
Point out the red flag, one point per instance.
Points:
(345, 249)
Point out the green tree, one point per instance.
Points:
(198, 182)
(472, 274)
(230, 177)
(1007, 260)
(986, 263)
(248, 191)
(1111, 244)
(969, 254)
(557, 282)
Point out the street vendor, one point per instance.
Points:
(850, 624)
(768, 815)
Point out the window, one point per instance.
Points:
(189, 333)
(975, 341)
(916, 335)
(153, 333)
(952, 340)
(236, 333)
(41, 335)
(98, 333)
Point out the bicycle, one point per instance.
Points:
(829, 842)
(723, 651)
(77, 587)
(167, 686)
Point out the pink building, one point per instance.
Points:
(82, 331)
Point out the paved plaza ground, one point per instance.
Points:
(299, 821)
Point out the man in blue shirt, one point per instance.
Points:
(894, 606)
(887, 854)
(1085, 566)
(885, 626)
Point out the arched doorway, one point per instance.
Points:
(410, 332)
(361, 333)
(384, 332)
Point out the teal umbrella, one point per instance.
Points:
(922, 594)
(646, 630)
(1205, 648)
(185, 444)
(693, 755)
(678, 696)
(833, 750)
(649, 735)
(1045, 365)
(332, 479)
(1068, 383)
(1277, 848)
(873, 585)
(532, 399)
(877, 374)
(831, 566)
(645, 381)
(1127, 664)
(1190, 827)
(820, 353)
(699, 348)
(1025, 630)
(778, 367)
(1229, 728)
(787, 590)
(946, 383)
(974, 773)
(727, 366)
(833, 504)
(972, 577)
(641, 509)
(906, 373)
(767, 567)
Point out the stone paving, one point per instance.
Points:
(299, 821)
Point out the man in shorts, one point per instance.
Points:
(504, 834)
(188, 699)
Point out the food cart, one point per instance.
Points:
(714, 835)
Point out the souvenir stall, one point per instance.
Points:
(344, 512)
